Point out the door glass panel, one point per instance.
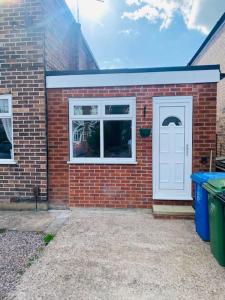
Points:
(174, 120)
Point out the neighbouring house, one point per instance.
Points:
(212, 51)
(35, 36)
(101, 151)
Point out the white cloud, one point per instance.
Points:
(200, 15)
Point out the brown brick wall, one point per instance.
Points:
(32, 33)
(22, 75)
(121, 185)
(86, 61)
(65, 48)
(61, 36)
(214, 53)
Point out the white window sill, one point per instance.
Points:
(107, 162)
(7, 162)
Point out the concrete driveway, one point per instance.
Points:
(115, 254)
(40, 221)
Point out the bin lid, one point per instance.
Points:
(201, 177)
(215, 186)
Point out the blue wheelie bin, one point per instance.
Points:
(201, 202)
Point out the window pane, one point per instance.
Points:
(117, 139)
(85, 110)
(5, 138)
(4, 107)
(86, 138)
(117, 109)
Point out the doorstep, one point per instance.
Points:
(173, 211)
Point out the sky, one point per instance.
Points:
(146, 33)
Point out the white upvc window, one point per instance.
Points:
(6, 130)
(102, 130)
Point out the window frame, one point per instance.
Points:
(8, 115)
(102, 116)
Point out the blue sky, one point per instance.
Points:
(146, 33)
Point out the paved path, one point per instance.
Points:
(41, 221)
(114, 254)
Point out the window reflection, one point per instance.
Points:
(117, 109)
(117, 138)
(85, 110)
(86, 138)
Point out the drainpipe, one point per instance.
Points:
(46, 124)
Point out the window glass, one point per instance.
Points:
(173, 120)
(117, 109)
(4, 106)
(86, 138)
(85, 110)
(117, 138)
(103, 130)
(5, 138)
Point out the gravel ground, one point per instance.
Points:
(17, 250)
(123, 255)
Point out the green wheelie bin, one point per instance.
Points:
(216, 188)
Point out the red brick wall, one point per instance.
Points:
(58, 148)
(121, 185)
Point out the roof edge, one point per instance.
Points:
(208, 38)
(134, 70)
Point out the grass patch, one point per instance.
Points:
(48, 238)
(2, 230)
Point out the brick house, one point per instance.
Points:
(89, 137)
(35, 36)
(212, 51)
(101, 151)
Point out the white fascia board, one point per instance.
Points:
(129, 79)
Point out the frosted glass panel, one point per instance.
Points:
(85, 110)
(173, 120)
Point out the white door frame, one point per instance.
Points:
(187, 101)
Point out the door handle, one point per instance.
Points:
(187, 149)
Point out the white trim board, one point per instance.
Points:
(129, 79)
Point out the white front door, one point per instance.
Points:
(172, 148)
